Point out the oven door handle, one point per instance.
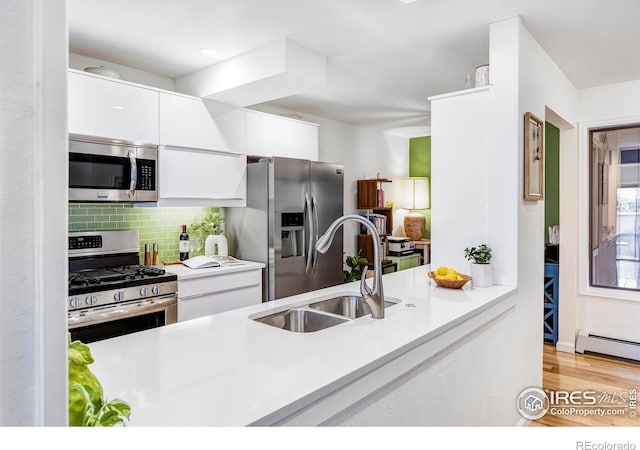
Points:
(121, 311)
(134, 174)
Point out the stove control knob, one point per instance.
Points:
(91, 300)
(75, 302)
(156, 290)
(144, 291)
(118, 296)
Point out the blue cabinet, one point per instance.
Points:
(550, 313)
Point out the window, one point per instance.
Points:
(615, 207)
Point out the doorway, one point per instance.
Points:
(551, 232)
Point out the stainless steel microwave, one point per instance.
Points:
(112, 171)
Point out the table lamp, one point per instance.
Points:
(415, 195)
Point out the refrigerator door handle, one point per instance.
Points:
(316, 226)
(310, 228)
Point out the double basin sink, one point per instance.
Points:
(321, 314)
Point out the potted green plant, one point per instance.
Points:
(356, 265)
(481, 270)
(211, 227)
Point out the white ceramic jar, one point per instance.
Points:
(482, 75)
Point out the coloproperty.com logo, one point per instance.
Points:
(534, 403)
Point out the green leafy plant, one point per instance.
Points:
(356, 265)
(479, 255)
(209, 224)
(87, 407)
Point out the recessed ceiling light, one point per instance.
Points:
(118, 107)
(408, 1)
(208, 52)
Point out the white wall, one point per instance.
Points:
(459, 176)
(33, 221)
(523, 78)
(519, 64)
(79, 62)
(364, 152)
(604, 312)
(513, 230)
(543, 87)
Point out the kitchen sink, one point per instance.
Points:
(321, 314)
(351, 306)
(301, 320)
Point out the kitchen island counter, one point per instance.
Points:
(227, 369)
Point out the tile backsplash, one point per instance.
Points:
(162, 225)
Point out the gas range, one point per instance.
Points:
(104, 270)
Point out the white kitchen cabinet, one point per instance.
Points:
(195, 177)
(216, 292)
(271, 135)
(112, 109)
(199, 123)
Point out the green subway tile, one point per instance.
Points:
(161, 225)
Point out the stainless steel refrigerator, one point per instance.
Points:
(290, 203)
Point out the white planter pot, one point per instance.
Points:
(216, 244)
(482, 275)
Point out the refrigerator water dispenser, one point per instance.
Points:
(292, 234)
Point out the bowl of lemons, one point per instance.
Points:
(448, 277)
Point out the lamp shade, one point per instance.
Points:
(415, 193)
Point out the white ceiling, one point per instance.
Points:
(384, 57)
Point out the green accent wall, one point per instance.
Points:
(551, 178)
(420, 166)
(162, 225)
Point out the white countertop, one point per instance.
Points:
(185, 273)
(229, 370)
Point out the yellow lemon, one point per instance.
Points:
(450, 276)
(459, 277)
(442, 270)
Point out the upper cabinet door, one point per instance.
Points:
(198, 123)
(270, 135)
(112, 109)
(195, 177)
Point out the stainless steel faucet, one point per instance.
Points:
(375, 297)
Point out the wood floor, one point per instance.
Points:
(589, 372)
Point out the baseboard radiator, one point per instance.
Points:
(586, 342)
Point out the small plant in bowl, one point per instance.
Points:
(478, 255)
(481, 270)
